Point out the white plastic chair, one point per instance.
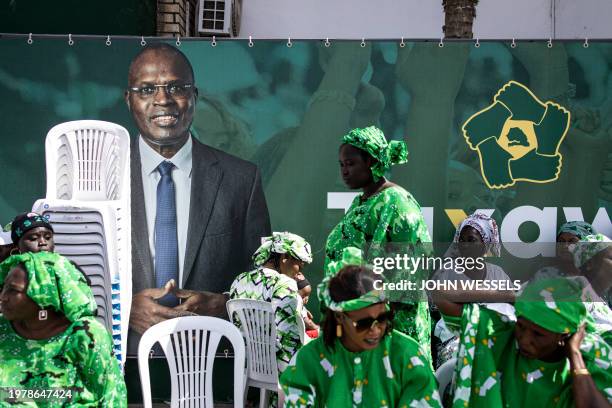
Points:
(88, 204)
(258, 326)
(444, 375)
(190, 344)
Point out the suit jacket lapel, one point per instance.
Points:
(142, 264)
(205, 181)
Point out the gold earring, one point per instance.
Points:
(338, 330)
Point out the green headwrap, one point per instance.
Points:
(578, 228)
(372, 140)
(554, 304)
(588, 247)
(53, 281)
(283, 243)
(350, 256)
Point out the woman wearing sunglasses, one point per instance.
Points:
(360, 361)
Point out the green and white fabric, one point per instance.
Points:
(588, 247)
(490, 371)
(394, 374)
(283, 243)
(390, 217)
(270, 286)
(579, 229)
(372, 140)
(81, 358)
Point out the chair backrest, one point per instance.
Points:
(444, 375)
(87, 160)
(190, 344)
(257, 322)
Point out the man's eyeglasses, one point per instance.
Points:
(174, 90)
(368, 323)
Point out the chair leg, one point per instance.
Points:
(264, 397)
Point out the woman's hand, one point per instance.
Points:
(572, 345)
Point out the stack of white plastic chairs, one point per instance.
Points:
(88, 204)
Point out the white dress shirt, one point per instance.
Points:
(181, 175)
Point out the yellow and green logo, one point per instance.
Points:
(518, 137)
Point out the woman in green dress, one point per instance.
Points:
(384, 219)
(359, 361)
(49, 339)
(548, 354)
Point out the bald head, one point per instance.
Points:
(159, 52)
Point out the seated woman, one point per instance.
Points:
(359, 361)
(569, 233)
(49, 338)
(544, 357)
(31, 232)
(476, 236)
(278, 260)
(592, 257)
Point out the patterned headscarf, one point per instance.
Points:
(25, 222)
(554, 304)
(53, 281)
(580, 229)
(283, 243)
(486, 227)
(350, 256)
(588, 247)
(372, 140)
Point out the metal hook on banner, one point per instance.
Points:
(30, 40)
(327, 43)
(477, 43)
(441, 43)
(108, 41)
(289, 43)
(549, 43)
(513, 44)
(363, 43)
(142, 41)
(70, 40)
(402, 43)
(586, 43)
(178, 40)
(213, 43)
(251, 44)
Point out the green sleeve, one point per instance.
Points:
(285, 304)
(419, 387)
(298, 381)
(98, 366)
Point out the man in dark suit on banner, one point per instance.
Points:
(197, 213)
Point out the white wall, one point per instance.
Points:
(526, 19)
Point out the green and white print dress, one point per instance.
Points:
(280, 290)
(395, 374)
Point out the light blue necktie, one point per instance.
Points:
(166, 243)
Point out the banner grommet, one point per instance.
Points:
(178, 40)
(549, 43)
(142, 41)
(363, 43)
(213, 43)
(402, 43)
(441, 43)
(108, 41)
(289, 43)
(327, 43)
(586, 43)
(251, 44)
(70, 40)
(477, 43)
(513, 44)
(30, 40)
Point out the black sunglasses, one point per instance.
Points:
(368, 323)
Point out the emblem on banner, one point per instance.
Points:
(518, 137)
